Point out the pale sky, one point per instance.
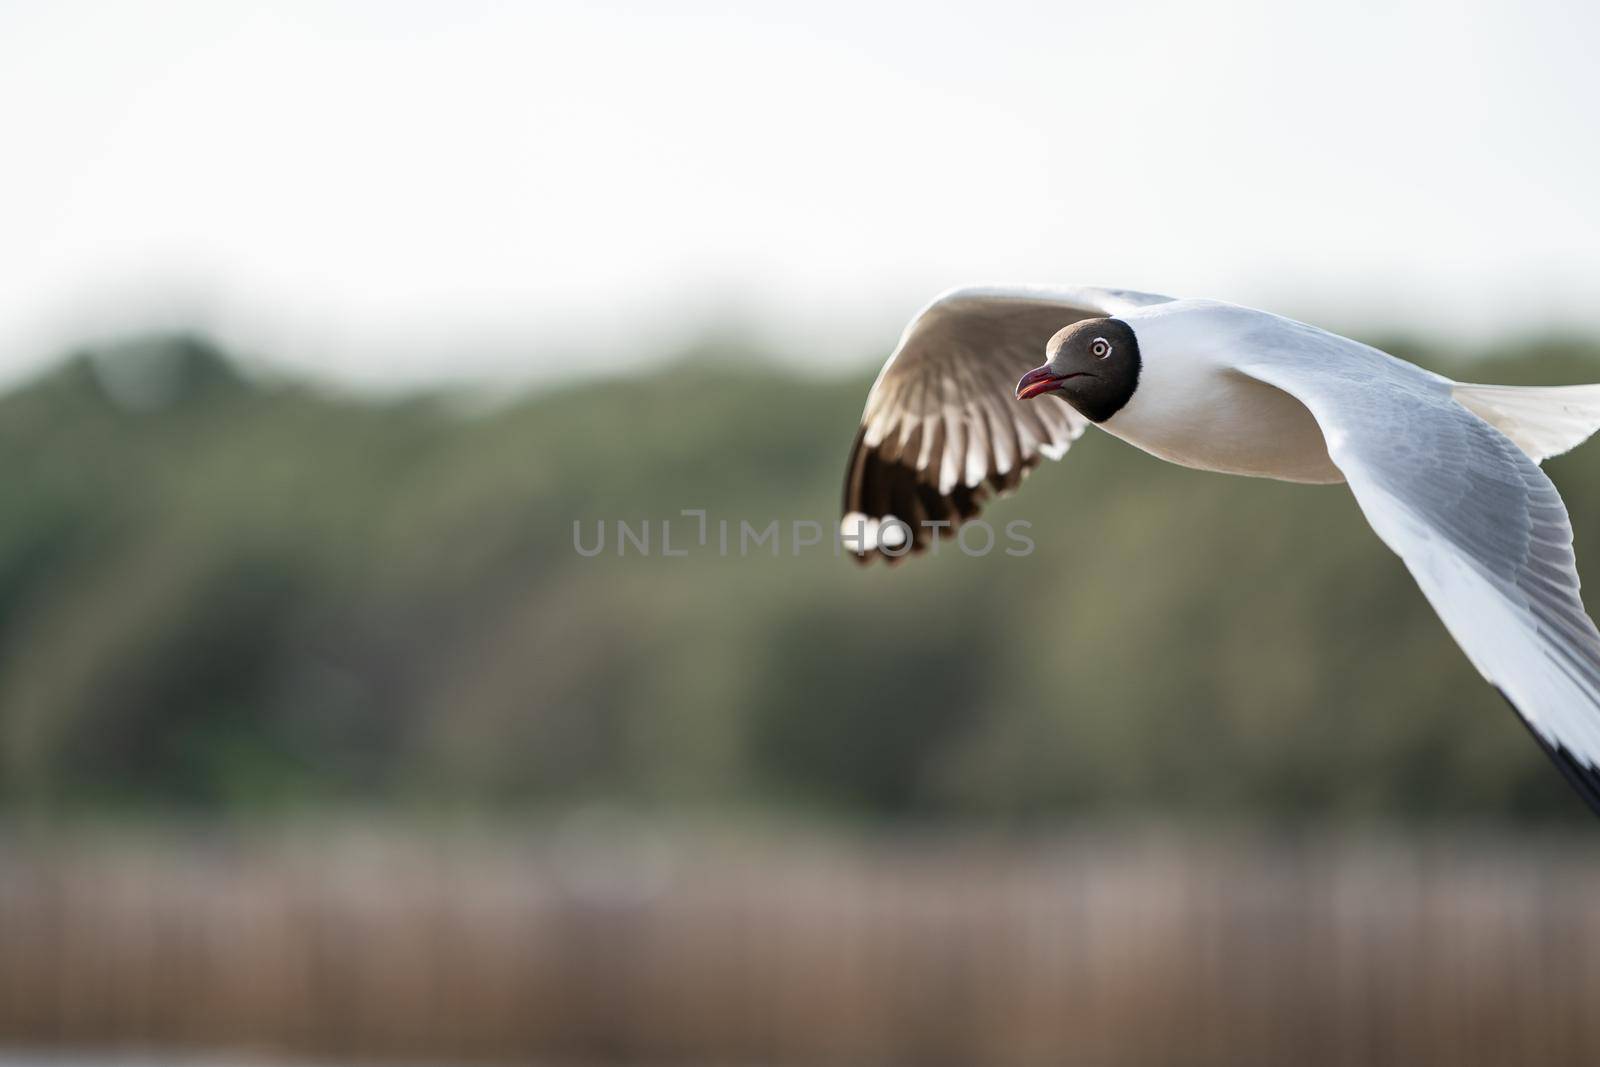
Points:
(388, 193)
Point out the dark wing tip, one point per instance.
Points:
(1582, 777)
(879, 489)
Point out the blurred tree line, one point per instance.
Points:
(221, 593)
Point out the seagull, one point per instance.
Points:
(1446, 473)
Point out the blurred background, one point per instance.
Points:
(326, 329)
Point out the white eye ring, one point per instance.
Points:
(1100, 347)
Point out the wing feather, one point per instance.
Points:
(1478, 524)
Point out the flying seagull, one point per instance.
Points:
(1446, 473)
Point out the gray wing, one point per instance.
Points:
(1479, 525)
(943, 430)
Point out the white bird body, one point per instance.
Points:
(1195, 409)
(1445, 472)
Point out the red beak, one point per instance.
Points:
(1037, 382)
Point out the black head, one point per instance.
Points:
(1092, 365)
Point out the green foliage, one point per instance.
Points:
(219, 593)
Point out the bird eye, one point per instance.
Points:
(1100, 347)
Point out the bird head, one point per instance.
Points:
(1092, 365)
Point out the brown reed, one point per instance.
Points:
(1092, 948)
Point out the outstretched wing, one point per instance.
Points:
(1478, 524)
(943, 430)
